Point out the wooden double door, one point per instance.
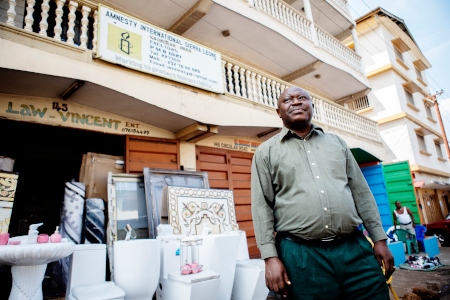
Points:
(232, 170)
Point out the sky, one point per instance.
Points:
(429, 24)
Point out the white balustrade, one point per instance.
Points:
(29, 17)
(94, 38)
(262, 88)
(11, 13)
(335, 47)
(296, 21)
(84, 26)
(285, 14)
(43, 25)
(359, 104)
(342, 4)
(59, 13)
(71, 30)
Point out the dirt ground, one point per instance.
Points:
(404, 281)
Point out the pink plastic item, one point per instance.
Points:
(42, 238)
(194, 268)
(186, 269)
(56, 237)
(4, 238)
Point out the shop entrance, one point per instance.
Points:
(45, 158)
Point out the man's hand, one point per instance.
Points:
(276, 277)
(384, 255)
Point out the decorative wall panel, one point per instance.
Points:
(8, 185)
(190, 209)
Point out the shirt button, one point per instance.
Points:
(322, 191)
(313, 164)
(325, 208)
(309, 151)
(326, 226)
(317, 177)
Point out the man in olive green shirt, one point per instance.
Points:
(308, 188)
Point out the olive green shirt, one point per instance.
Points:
(310, 187)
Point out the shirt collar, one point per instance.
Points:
(285, 132)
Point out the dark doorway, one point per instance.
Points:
(45, 158)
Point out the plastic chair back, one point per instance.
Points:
(407, 238)
(420, 232)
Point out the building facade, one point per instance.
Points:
(400, 103)
(188, 85)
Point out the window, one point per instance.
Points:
(438, 149)
(421, 141)
(428, 111)
(418, 73)
(398, 54)
(409, 97)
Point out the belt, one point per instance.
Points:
(325, 242)
(406, 223)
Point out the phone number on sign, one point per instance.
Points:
(134, 130)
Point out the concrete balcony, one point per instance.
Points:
(34, 64)
(278, 37)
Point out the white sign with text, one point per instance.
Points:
(138, 45)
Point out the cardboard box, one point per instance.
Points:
(95, 174)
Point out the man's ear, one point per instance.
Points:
(278, 112)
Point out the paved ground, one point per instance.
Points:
(405, 280)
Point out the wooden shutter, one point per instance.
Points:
(232, 170)
(152, 153)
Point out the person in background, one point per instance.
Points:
(307, 187)
(404, 217)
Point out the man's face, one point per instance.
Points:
(295, 108)
(398, 205)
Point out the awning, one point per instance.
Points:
(363, 157)
(419, 184)
(436, 185)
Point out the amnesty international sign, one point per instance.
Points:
(138, 45)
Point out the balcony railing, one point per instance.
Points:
(359, 104)
(293, 19)
(335, 47)
(258, 87)
(67, 24)
(342, 4)
(74, 22)
(286, 15)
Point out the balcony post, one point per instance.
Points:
(11, 13)
(44, 16)
(58, 20)
(29, 17)
(84, 26)
(94, 38)
(312, 28)
(71, 32)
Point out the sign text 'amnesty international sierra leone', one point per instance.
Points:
(138, 45)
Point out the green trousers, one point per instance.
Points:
(348, 270)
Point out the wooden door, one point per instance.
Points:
(232, 170)
(148, 152)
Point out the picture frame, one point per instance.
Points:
(155, 180)
(191, 210)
